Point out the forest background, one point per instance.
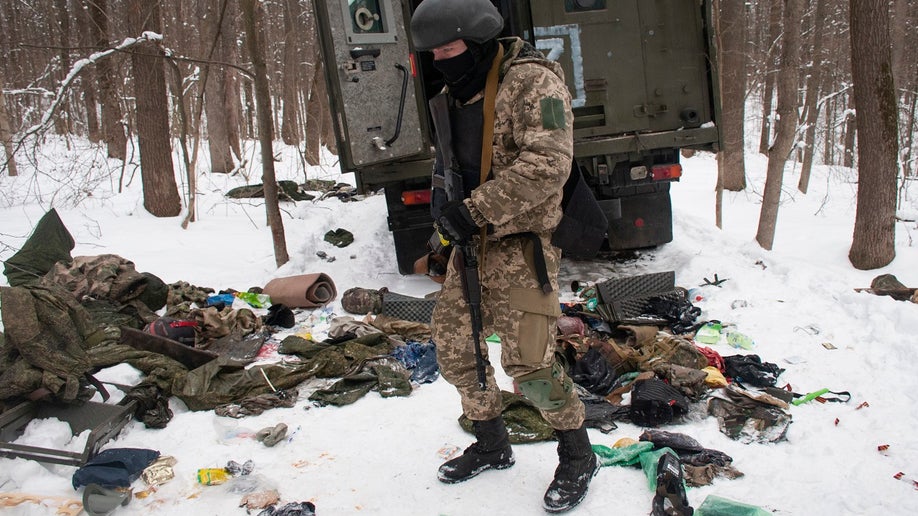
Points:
(831, 82)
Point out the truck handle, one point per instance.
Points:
(401, 104)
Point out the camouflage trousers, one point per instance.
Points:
(513, 307)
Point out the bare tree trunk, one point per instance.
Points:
(254, 37)
(87, 82)
(314, 116)
(828, 140)
(62, 121)
(903, 70)
(732, 29)
(160, 192)
(290, 130)
(112, 123)
(214, 36)
(899, 36)
(719, 193)
(774, 33)
(248, 108)
(875, 98)
(6, 136)
(850, 134)
(907, 170)
(179, 103)
(788, 75)
(813, 90)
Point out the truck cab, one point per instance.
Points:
(643, 83)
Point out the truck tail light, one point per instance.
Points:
(664, 172)
(415, 197)
(414, 68)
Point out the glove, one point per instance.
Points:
(455, 222)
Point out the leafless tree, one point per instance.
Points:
(254, 33)
(160, 192)
(218, 37)
(732, 47)
(813, 91)
(877, 135)
(786, 129)
(112, 117)
(775, 10)
(6, 137)
(290, 129)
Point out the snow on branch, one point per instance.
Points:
(78, 67)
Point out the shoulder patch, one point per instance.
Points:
(552, 113)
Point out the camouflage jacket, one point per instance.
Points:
(532, 145)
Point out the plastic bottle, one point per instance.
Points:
(256, 300)
(695, 295)
(739, 340)
(212, 476)
(709, 333)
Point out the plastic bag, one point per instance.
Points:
(715, 505)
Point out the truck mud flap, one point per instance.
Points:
(410, 244)
(646, 221)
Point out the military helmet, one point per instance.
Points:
(437, 22)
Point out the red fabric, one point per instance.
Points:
(714, 358)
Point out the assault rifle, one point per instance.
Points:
(471, 288)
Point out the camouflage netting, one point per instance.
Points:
(50, 242)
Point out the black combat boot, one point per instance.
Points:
(491, 450)
(577, 466)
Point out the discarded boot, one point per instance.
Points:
(670, 499)
(491, 451)
(577, 465)
(271, 435)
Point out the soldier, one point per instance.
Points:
(509, 216)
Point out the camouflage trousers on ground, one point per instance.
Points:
(513, 307)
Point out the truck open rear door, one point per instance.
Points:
(371, 73)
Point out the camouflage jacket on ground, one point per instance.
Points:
(533, 145)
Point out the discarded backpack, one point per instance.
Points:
(115, 467)
(183, 331)
(363, 301)
(655, 402)
(670, 349)
(689, 381)
(749, 369)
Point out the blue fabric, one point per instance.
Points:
(115, 467)
(421, 359)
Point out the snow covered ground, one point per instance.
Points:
(379, 456)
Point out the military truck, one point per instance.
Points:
(643, 83)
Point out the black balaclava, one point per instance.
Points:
(467, 73)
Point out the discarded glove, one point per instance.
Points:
(271, 435)
(236, 469)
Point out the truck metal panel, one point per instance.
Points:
(373, 81)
